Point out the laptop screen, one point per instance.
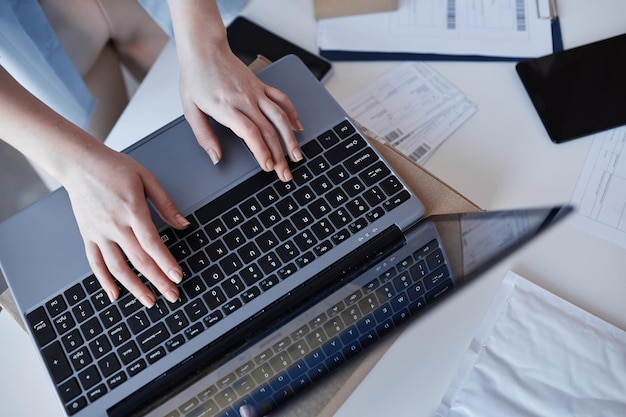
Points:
(436, 258)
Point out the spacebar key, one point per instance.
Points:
(153, 337)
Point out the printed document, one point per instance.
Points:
(600, 194)
(504, 28)
(412, 107)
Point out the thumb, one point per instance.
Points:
(162, 202)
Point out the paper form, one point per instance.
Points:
(600, 194)
(412, 107)
(504, 28)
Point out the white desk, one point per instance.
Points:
(501, 158)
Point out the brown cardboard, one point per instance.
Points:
(334, 8)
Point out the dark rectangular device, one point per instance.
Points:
(579, 91)
(247, 40)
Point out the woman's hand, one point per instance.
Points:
(215, 82)
(108, 191)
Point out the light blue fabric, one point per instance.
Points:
(33, 55)
(31, 52)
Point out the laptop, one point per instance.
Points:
(260, 258)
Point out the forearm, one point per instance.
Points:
(198, 28)
(38, 132)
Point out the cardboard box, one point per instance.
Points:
(334, 8)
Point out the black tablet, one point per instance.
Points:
(579, 91)
(248, 39)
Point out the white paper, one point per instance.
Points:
(412, 107)
(536, 354)
(600, 194)
(504, 28)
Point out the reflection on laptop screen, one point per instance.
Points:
(440, 255)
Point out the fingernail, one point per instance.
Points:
(287, 175)
(214, 157)
(147, 300)
(171, 296)
(299, 125)
(269, 165)
(182, 221)
(176, 276)
(111, 296)
(296, 155)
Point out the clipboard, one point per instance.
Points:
(550, 13)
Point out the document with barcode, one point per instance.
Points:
(412, 107)
(600, 194)
(504, 28)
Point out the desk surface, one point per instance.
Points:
(500, 158)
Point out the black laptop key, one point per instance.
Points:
(76, 405)
(153, 337)
(64, 323)
(97, 392)
(100, 346)
(40, 326)
(396, 200)
(80, 358)
(69, 390)
(353, 187)
(56, 306)
(375, 173)
(344, 129)
(72, 340)
(119, 334)
(302, 175)
(83, 311)
(197, 240)
(318, 165)
(91, 328)
(57, 362)
(74, 294)
(100, 300)
(176, 322)
(346, 149)
(138, 322)
(89, 377)
(168, 237)
(328, 138)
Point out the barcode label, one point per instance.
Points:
(419, 152)
(451, 15)
(393, 135)
(520, 15)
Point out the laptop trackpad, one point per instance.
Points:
(187, 172)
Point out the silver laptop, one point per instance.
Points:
(260, 257)
(265, 240)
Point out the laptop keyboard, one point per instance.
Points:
(314, 347)
(235, 250)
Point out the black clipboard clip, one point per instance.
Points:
(552, 12)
